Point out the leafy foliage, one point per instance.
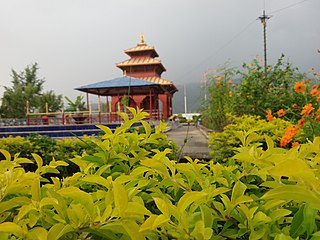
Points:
(77, 105)
(250, 91)
(124, 191)
(27, 87)
(224, 144)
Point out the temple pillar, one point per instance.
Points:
(165, 105)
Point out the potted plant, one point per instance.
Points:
(76, 108)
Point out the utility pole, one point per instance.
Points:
(263, 18)
(185, 99)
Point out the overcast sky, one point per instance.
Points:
(78, 42)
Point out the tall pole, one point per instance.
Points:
(263, 18)
(185, 99)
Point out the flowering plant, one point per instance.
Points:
(305, 112)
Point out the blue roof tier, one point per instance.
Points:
(121, 85)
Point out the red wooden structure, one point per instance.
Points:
(154, 96)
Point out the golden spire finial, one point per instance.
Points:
(142, 38)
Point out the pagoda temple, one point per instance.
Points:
(140, 86)
(143, 64)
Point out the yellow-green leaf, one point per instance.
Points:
(11, 227)
(6, 154)
(147, 128)
(37, 233)
(190, 198)
(38, 160)
(296, 193)
(96, 180)
(58, 230)
(106, 129)
(238, 191)
(162, 206)
(35, 190)
(120, 197)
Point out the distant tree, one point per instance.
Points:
(27, 86)
(54, 101)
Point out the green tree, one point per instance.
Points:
(54, 101)
(27, 87)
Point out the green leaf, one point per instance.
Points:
(279, 214)
(78, 196)
(294, 192)
(6, 154)
(11, 227)
(106, 129)
(120, 197)
(269, 141)
(238, 191)
(25, 209)
(309, 215)
(96, 180)
(147, 128)
(37, 233)
(13, 203)
(162, 206)
(132, 228)
(35, 190)
(190, 198)
(135, 208)
(94, 159)
(58, 230)
(38, 160)
(297, 227)
(153, 222)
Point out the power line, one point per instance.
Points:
(235, 36)
(289, 6)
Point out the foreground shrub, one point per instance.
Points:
(223, 144)
(127, 192)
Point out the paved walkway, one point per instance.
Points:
(191, 140)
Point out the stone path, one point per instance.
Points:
(192, 140)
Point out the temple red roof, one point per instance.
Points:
(139, 61)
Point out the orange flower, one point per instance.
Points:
(314, 86)
(314, 92)
(301, 122)
(308, 80)
(299, 87)
(230, 94)
(295, 144)
(230, 81)
(281, 112)
(307, 109)
(318, 98)
(287, 137)
(219, 78)
(269, 115)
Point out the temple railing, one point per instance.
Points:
(81, 117)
